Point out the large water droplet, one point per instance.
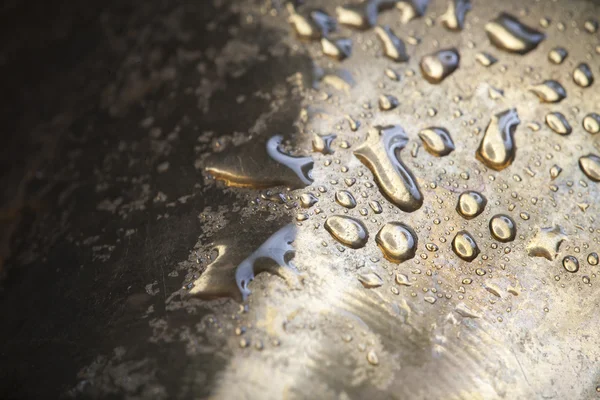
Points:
(591, 123)
(549, 91)
(508, 33)
(497, 148)
(546, 242)
(337, 48)
(583, 76)
(470, 204)
(590, 165)
(558, 123)
(252, 165)
(227, 276)
(381, 154)
(465, 246)
(311, 24)
(437, 66)
(503, 228)
(345, 199)
(347, 230)
(437, 141)
(393, 47)
(454, 18)
(571, 264)
(593, 259)
(397, 241)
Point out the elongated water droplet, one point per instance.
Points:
(454, 18)
(252, 165)
(362, 15)
(590, 165)
(549, 91)
(347, 230)
(311, 24)
(497, 148)
(402, 280)
(375, 206)
(571, 264)
(387, 102)
(437, 141)
(232, 271)
(583, 76)
(503, 228)
(557, 55)
(397, 241)
(411, 9)
(345, 199)
(509, 34)
(546, 242)
(486, 59)
(465, 246)
(558, 123)
(341, 80)
(470, 204)
(381, 154)
(437, 66)
(337, 48)
(322, 143)
(370, 280)
(393, 47)
(591, 123)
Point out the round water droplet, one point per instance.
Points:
(345, 199)
(437, 66)
(592, 258)
(470, 204)
(571, 264)
(557, 55)
(591, 123)
(437, 141)
(503, 228)
(347, 230)
(465, 246)
(558, 123)
(397, 241)
(583, 76)
(372, 358)
(590, 165)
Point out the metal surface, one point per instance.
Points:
(143, 276)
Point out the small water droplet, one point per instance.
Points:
(558, 123)
(337, 48)
(571, 264)
(393, 46)
(591, 123)
(397, 241)
(557, 55)
(592, 258)
(464, 246)
(470, 204)
(503, 228)
(387, 102)
(345, 199)
(583, 76)
(549, 91)
(590, 165)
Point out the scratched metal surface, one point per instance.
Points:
(120, 277)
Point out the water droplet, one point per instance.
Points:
(583, 76)
(465, 246)
(558, 123)
(590, 165)
(230, 273)
(337, 48)
(549, 91)
(555, 170)
(313, 24)
(410, 9)
(430, 299)
(322, 143)
(470, 204)
(546, 242)
(372, 358)
(393, 47)
(387, 102)
(591, 25)
(591, 123)
(252, 165)
(341, 80)
(437, 141)
(497, 148)
(347, 230)
(486, 59)
(402, 280)
(345, 199)
(375, 206)
(393, 75)
(454, 18)
(592, 258)
(503, 228)
(381, 154)
(437, 66)
(370, 280)
(397, 241)
(571, 264)
(508, 33)
(495, 93)
(362, 15)
(557, 55)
